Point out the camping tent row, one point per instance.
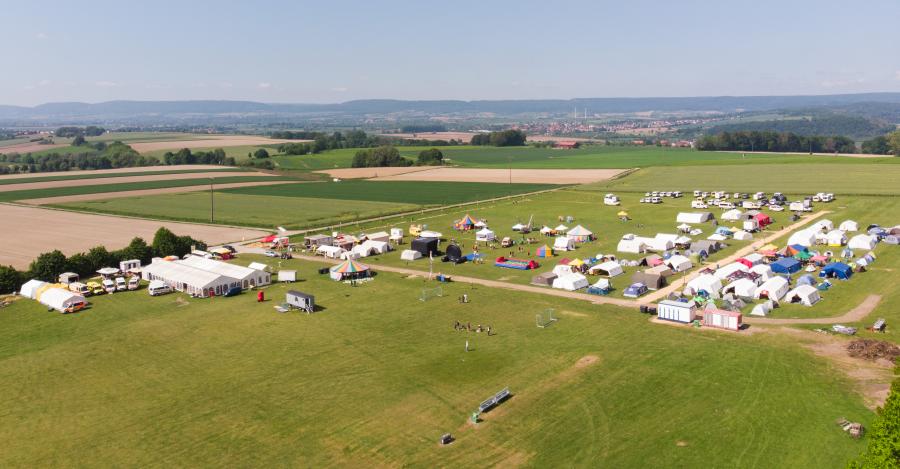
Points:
(660, 243)
(202, 277)
(52, 295)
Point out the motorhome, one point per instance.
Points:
(611, 199)
(121, 284)
(157, 287)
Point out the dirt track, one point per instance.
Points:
(547, 176)
(124, 179)
(140, 169)
(359, 173)
(214, 141)
(142, 192)
(29, 231)
(854, 315)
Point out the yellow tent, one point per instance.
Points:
(622, 213)
(576, 263)
(768, 247)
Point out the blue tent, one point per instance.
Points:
(723, 231)
(806, 280)
(799, 247)
(837, 270)
(785, 265)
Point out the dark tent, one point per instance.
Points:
(545, 279)
(426, 246)
(654, 281)
(837, 270)
(454, 254)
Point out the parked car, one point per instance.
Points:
(726, 205)
(635, 290)
(271, 254)
(157, 287)
(655, 200)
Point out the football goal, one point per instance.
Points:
(545, 318)
(429, 293)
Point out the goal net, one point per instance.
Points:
(545, 318)
(429, 293)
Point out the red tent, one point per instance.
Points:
(745, 262)
(763, 220)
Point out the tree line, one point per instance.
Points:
(49, 265)
(503, 138)
(780, 142)
(883, 144)
(89, 131)
(883, 449)
(388, 156)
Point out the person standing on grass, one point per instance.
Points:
(467, 345)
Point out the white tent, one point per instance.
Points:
(379, 236)
(658, 244)
(258, 266)
(773, 289)
(755, 258)
(60, 299)
(378, 247)
(729, 269)
(679, 263)
(762, 309)
(684, 227)
(822, 225)
(750, 225)
(732, 215)
(579, 234)
(694, 217)
(633, 245)
(362, 250)
(763, 270)
(30, 288)
(518, 227)
(545, 230)
(609, 269)
(410, 255)
(836, 238)
(349, 255)
(862, 241)
(570, 282)
(561, 228)
(485, 235)
(190, 279)
(708, 283)
(742, 235)
(805, 238)
(806, 295)
(742, 287)
(332, 252)
(717, 237)
(431, 234)
(247, 276)
(849, 225)
(563, 243)
(562, 269)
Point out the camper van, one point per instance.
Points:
(80, 288)
(134, 282)
(611, 199)
(726, 205)
(699, 204)
(157, 287)
(121, 284)
(96, 288)
(109, 286)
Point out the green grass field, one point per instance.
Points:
(242, 210)
(131, 186)
(377, 376)
(102, 175)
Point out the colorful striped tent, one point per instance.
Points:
(466, 223)
(349, 269)
(544, 251)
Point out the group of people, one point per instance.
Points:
(458, 326)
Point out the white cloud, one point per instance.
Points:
(106, 83)
(339, 89)
(41, 35)
(264, 85)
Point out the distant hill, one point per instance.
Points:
(162, 110)
(849, 126)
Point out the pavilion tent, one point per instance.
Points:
(806, 295)
(849, 225)
(823, 225)
(804, 238)
(608, 269)
(659, 243)
(763, 270)
(190, 279)
(349, 269)
(786, 265)
(248, 277)
(862, 241)
(679, 263)
(570, 282)
(580, 234)
(707, 283)
(466, 223)
(772, 289)
(332, 252)
(485, 235)
(563, 243)
(546, 230)
(729, 269)
(561, 228)
(743, 287)
(836, 238)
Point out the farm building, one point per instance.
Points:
(61, 300)
(580, 234)
(676, 311)
(862, 241)
(679, 263)
(706, 283)
(248, 277)
(786, 265)
(188, 279)
(722, 319)
(694, 217)
(607, 269)
(570, 282)
(300, 300)
(425, 246)
(563, 243)
(772, 289)
(806, 295)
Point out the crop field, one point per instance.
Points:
(874, 177)
(244, 210)
(376, 376)
(102, 174)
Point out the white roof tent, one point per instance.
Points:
(248, 277)
(609, 269)
(679, 263)
(189, 279)
(333, 252)
(694, 217)
(60, 299)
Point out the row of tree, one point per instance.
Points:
(883, 144)
(186, 156)
(503, 138)
(775, 142)
(94, 156)
(49, 265)
(89, 131)
(382, 156)
(883, 435)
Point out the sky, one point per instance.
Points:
(335, 51)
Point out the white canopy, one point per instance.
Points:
(410, 255)
(708, 283)
(849, 225)
(805, 238)
(609, 268)
(562, 228)
(485, 234)
(579, 231)
(806, 295)
(563, 243)
(774, 288)
(742, 235)
(862, 241)
(679, 263)
(333, 252)
(570, 282)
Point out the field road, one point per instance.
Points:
(124, 179)
(854, 315)
(63, 199)
(675, 285)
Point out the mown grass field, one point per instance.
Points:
(122, 187)
(422, 193)
(377, 376)
(243, 210)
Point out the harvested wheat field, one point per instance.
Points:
(467, 136)
(213, 141)
(62, 199)
(30, 231)
(137, 169)
(30, 147)
(366, 173)
(540, 176)
(125, 179)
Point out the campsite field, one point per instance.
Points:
(377, 376)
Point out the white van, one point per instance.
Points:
(698, 204)
(121, 284)
(80, 288)
(611, 199)
(109, 286)
(157, 287)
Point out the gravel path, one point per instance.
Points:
(854, 315)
